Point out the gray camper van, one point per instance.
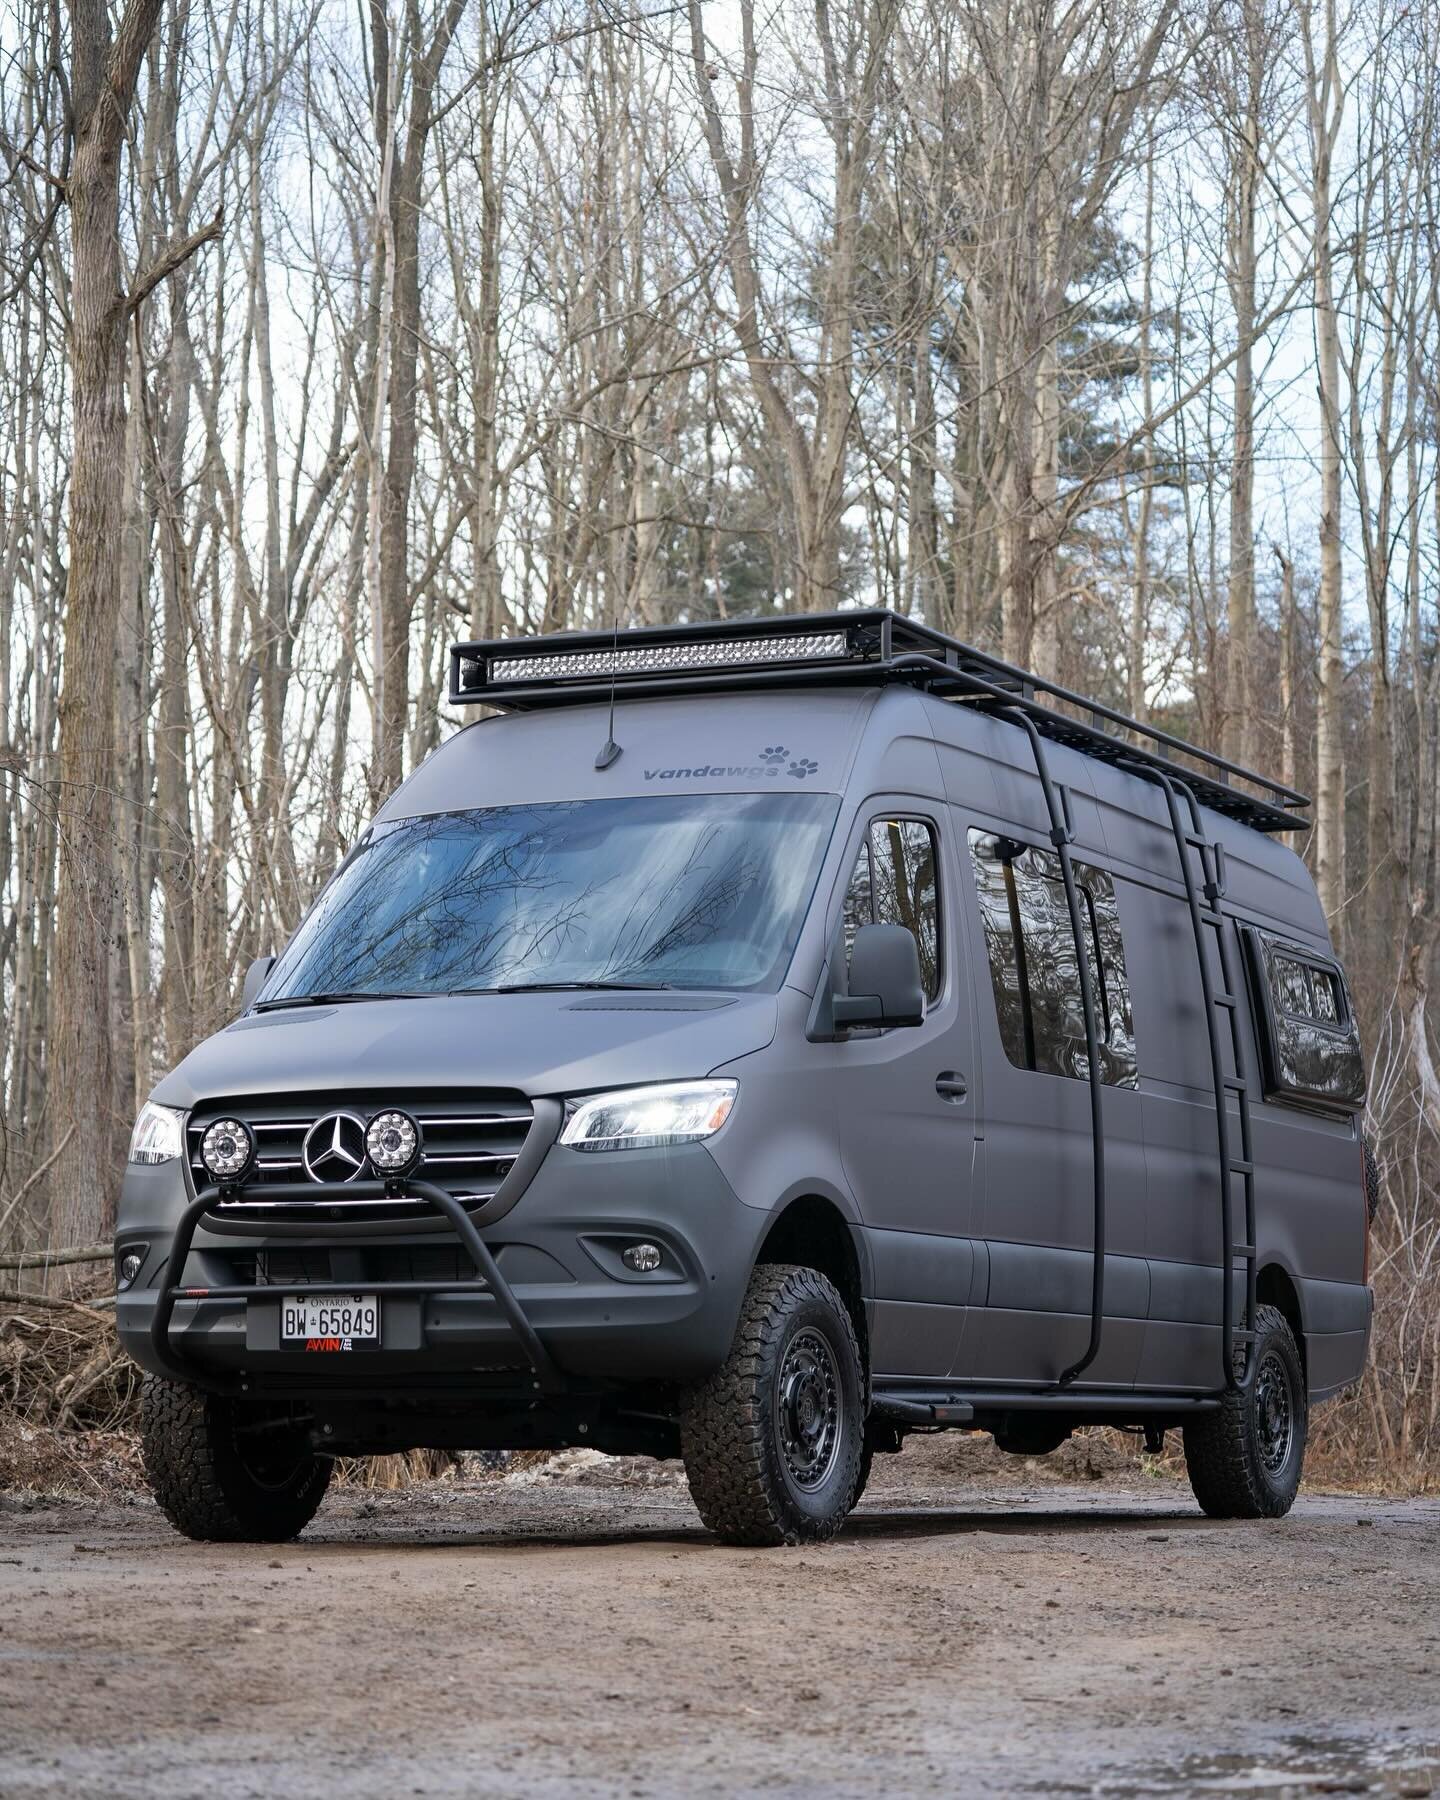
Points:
(756, 1042)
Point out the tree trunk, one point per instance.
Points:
(1289, 769)
(176, 845)
(1140, 533)
(85, 1177)
(394, 600)
(1238, 708)
(1325, 101)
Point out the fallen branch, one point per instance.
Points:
(51, 1259)
(13, 1297)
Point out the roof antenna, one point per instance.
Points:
(610, 751)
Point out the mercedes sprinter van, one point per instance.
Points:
(755, 1042)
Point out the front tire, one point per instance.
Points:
(225, 1470)
(772, 1441)
(1245, 1461)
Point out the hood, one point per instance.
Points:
(539, 1043)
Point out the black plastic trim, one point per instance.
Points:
(964, 1405)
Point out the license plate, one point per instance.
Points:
(331, 1321)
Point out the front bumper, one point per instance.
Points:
(544, 1303)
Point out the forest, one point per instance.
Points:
(1104, 334)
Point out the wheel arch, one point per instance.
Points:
(1275, 1286)
(811, 1229)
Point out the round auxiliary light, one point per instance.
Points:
(227, 1149)
(393, 1142)
(130, 1266)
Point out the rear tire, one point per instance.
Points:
(772, 1441)
(226, 1470)
(862, 1479)
(1245, 1461)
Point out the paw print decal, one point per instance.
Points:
(802, 767)
(775, 753)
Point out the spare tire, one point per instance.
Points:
(1372, 1177)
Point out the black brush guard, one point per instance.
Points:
(547, 1378)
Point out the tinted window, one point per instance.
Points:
(894, 884)
(1292, 986)
(1309, 1041)
(1325, 996)
(662, 891)
(1030, 947)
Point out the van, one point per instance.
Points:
(756, 1042)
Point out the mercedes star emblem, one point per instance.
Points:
(334, 1148)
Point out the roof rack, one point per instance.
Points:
(866, 647)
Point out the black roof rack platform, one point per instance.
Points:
(847, 649)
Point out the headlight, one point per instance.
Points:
(159, 1134)
(676, 1112)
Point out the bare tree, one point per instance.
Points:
(1325, 112)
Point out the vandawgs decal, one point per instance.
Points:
(775, 760)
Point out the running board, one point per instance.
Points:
(921, 1406)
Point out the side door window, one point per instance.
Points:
(1031, 952)
(894, 882)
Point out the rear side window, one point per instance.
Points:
(894, 883)
(1031, 951)
(1309, 1040)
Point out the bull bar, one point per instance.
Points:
(548, 1379)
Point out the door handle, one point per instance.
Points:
(951, 1085)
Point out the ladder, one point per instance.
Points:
(1222, 1013)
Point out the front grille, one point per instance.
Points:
(471, 1139)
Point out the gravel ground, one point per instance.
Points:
(574, 1631)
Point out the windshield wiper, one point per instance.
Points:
(565, 987)
(340, 999)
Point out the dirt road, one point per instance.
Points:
(545, 1636)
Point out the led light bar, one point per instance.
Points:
(722, 653)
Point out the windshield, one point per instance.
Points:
(671, 891)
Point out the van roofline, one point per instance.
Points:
(868, 647)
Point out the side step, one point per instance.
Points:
(902, 1409)
(925, 1406)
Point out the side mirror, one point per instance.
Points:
(255, 978)
(886, 986)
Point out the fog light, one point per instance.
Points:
(393, 1141)
(642, 1258)
(130, 1265)
(226, 1149)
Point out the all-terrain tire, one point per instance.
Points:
(862, 1479)
(772, 1441)
(1373, 1188)
(1245, 1461)
(222, 1471)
